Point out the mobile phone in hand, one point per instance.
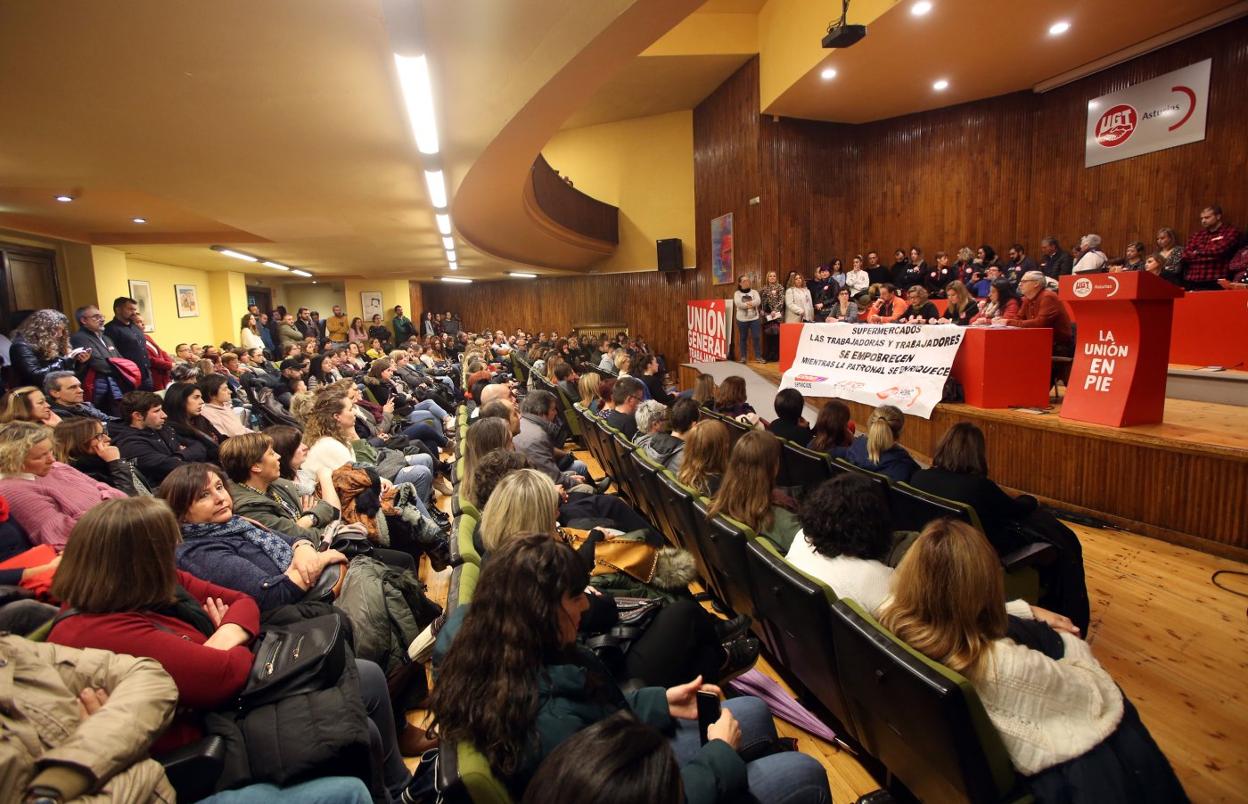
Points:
(708, 712)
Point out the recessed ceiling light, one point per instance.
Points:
(459, 280)
(940, 85)
(64, 199)
(444, 223)
(448, 244)
(276, 265)
(920, 8)
(238, 255)
(139, 220)
(521, 275)
(828, 74)
(1059, 28)
(298, 272)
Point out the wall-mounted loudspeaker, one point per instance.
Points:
(671, 254)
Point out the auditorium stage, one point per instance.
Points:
(1184, 480)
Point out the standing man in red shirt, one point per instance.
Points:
(1042, 309)
(1206, 259)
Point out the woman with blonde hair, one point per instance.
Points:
(622, 364)
(587, 388)
(485, 435)
(1064, 722)
(526, 501)
(749, 494)
(798, 305)
(962, 306)
(706, 456)
(27, 404)
(704, 390)
(878, 451)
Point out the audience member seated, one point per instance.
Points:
(78, 724)
(218, 408)
(27, 405)
(749, 494)
(46, 497)
(626, 395)
(652, 377)
(919, 309)
(1001, 305)
(615, 760)
(847, 540)
(198, 439)
(20, 613)
(485, 436)
(960, 472)
(703, 391)
(789, 423)
(887, 308)
(833, 433)
(146, 439)
(540, 436)
(706, 457)
(1065, 724)
(587, 390)
(259, 492)
(1041, 309)
(64, 392)
(730, 401)
(667, 446)
(85, 445)
(544, 685)
(651, 419)
(878, 450)
(1091, 259)
(127, 595)
(961, 309)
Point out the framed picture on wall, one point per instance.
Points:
(370, 303)
(721, 250)
(187, 297)
(141, 292)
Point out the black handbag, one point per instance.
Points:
(300, 657)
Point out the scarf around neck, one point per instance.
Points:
(273, 545)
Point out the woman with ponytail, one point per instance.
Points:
(878, 451)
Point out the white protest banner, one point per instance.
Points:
(1153, 115)
(876, 364)
(709, 335)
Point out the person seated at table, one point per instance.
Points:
(887, 308)
(961, 308)
(46, 497)
(548, 688)
(878, 450)
(789, 423)
(1041, 309)
(919, 310)
(706, 457)
(1001, 304)
(730, 401)
(834, 431)
(844, 308)
(749, 494)
(1066, 726)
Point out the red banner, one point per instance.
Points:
(708, 330)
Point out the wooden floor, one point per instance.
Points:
(1176, 644)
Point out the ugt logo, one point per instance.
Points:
(1116, 125)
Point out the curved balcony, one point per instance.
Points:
(568, 214)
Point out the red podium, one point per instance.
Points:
(1123, 347)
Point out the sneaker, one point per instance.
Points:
(739, 656)
(728, 630)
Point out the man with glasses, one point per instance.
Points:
(1041, 309)
(64, 392)
(105, 390)
(627, 395)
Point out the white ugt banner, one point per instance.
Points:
(876, 364)
(1154, 115)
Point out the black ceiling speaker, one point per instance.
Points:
(842, 35)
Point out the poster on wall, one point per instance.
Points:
(187, 298)
(709, 333)
(721, 250)
(141, 292)
(1150, 116)
(905, 365)
(370, 303)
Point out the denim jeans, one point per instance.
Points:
(326, 790)
(427, 407)
(754, 329)
(785, 778)
(419, 476)
(427, 431)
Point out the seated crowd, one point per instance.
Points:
(156, 531)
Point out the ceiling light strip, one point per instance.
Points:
(418, 97)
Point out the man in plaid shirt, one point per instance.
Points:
(1206, 258)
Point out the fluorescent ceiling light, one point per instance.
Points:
(238, 255)
(276, 265)
(418, 96)
(450, 256)
(828, 74)
(64, 199)
(448, 244)
(1059, 28)
(940, 85)
(920, 8)
(459, 280)
(298, 272)
(521, 275)
(444, 223)
(139, 220)
(454, 266)
(436, 183)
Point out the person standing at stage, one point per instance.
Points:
(1041, 308)
(798, 306)
(1206, 258)
(773, 313)
(1054, 260)
(822, 292)
(877, 273)
(746, 304)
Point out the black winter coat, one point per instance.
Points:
(155, 453)
(132, 344)
(29, 368)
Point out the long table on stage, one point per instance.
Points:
(1184, 480)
